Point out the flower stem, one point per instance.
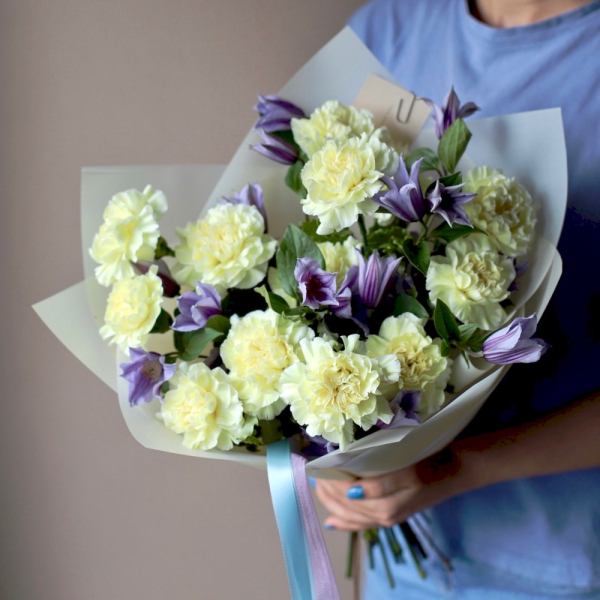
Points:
(363, 232)
(394, 545)
(352, 542)
(386, 564)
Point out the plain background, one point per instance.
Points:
(85, 512)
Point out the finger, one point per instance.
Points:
(382, 486)
(338, 524)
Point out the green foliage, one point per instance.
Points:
(190, 344)
(162, 249)
(294, 245)
(405, 303)
(430, 160)
(387, 240)
(163, 322)
(310, 228)
(418, 254)
(270, 431)
(274, 301)
(449, 234)
(293, 179)
(445, 323)
(453, 144)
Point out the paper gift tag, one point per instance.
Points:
(401, 111)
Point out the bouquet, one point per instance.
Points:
(361, 318)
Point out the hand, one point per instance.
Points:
(392, 498)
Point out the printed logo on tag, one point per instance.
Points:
(403, 113)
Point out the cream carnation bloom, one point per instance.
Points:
(503, 208)
(129, 233)
(258, 348)
(339, 256)
(386, 157)
(132, 309)
(332, 121)
(331, 391)
(472, 279)
(228, 248)
(340, 181)
(422, 366)
(204, 406)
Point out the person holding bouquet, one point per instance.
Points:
(514, 502)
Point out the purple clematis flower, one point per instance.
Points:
(375, 277)
(404, 198)
(251, 195)
(276, 113)
(170, 286)
(318, 287)
(447, 202)
(450, 111)
(276, 149)
(344, 295)
(196, 308)
(404, 408)
(146, 373)
(514, 344)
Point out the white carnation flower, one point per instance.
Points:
(132, 309)
(331, 391)
(340, 181)
(258, 348)
(228, 248)
(339, 256)
(332, 121)
(472, 279)
(503, 208)
(386, 157)
(422, 366)
(129, 233)
(204, 406)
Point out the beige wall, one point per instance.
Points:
(85, 512)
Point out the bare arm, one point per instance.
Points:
(563, 441)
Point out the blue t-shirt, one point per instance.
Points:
(545, 529)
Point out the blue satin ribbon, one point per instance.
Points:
(288, 515)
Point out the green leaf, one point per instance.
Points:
(219, 323)
(444, 348)
(449, 234)
(409, 304)
(388, 240)
(270, 431)
(162, 249)
(294, 245)
(417, 254)
(163, 322)
(430, 160)
(453, 144)
(274, 302)
(310, 228)
(190, 344)
(293, 179)
(445, 323)
(466, 331)
(454, 179)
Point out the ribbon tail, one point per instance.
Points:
(325, 586)
(309, 570)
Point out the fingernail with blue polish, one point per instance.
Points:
(313, 483)
(355, 493)
(328, 526)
